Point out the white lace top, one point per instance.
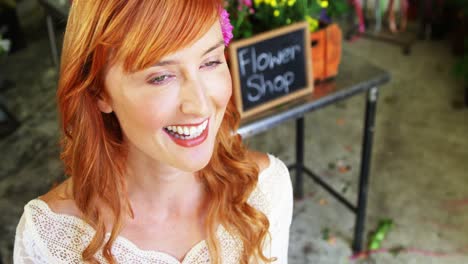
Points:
(43, 236)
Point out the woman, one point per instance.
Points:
(157, 174)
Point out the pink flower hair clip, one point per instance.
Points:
(226, 26)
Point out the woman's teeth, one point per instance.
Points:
(187, 132)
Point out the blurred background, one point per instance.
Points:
(417, 209)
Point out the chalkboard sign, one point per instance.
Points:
(271, 68)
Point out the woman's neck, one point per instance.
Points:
(163, 190)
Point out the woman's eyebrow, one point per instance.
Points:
(172, 62)
(166, 62)
(217, 45)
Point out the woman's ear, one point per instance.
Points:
(104, 105)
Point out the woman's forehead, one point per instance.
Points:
(151, 36)
(211, 40)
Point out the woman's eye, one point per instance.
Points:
(211, 64)
(161, 79)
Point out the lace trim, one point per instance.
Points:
(65, 236)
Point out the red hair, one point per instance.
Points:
(139, 33)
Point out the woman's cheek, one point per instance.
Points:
(154, 112)
(223, 90)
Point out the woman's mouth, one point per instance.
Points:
(188, 135)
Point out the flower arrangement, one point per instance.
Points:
(254, 16)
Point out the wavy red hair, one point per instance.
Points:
(139, 33)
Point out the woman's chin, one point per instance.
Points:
(195, 164)
(193, 161)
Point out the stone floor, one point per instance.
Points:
(419, 173)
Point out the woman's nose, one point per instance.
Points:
(194, 98)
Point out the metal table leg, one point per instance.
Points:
(371, 105)
(298, 186)
(52, 40)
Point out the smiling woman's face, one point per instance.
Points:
(170, 113)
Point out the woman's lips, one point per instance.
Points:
(190, 142)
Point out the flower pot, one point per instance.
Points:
(326, 52)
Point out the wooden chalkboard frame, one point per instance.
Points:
(234, 67)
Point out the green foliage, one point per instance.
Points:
(338, 8)
(274, 14)
(376, 239)
(250, 17)
(240, 19)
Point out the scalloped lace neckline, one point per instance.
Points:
(125, 241)
(132, 246)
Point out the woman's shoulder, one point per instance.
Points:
(50, 230)
(47, 215)
(60, 200)
(46, 236)
(261, 159)
(272, 170)
(274, 187)
(54, 209)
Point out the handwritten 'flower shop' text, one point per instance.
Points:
(255, 65)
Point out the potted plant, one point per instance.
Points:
(252, 17)
(326, 37)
